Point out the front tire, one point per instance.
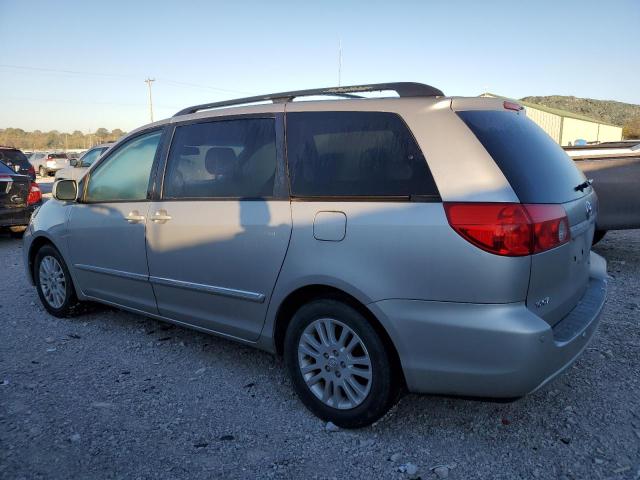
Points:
(339, 365)
(53, 282)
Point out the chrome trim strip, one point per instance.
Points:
(199, 287)
(114, 273)
(226, 292)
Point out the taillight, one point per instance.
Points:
(31, 169)
(550, 226)
(510, 229)
(35, 194)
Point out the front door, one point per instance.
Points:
(107, 243)
(217, 238)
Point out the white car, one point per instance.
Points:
(46, 163)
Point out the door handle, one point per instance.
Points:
(161, 216)
(134, 217)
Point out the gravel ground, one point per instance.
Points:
(115, 395)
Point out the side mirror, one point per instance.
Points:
(73, 162)
(65, 190)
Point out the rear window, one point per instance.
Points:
(14, 157)
(57, 155)
(4, 170)
(355, 154)
(537, 168)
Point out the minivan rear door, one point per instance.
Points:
(540, 172)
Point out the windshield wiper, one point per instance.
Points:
(583, 185)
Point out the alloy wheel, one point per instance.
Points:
(334, 363)
(52, 281)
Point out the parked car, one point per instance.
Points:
(77, 168)
(17, 161)
(614, 168)
(19, 197)
(48, 163)
(378, 244)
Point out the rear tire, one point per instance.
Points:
(598, 235)
(53, 282)
(348, 374)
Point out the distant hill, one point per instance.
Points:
(608, 111)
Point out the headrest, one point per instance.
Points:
(189, 150)
(221, 161)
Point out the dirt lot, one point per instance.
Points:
(114, 395)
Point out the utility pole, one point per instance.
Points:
(339, 61)
(149, 81)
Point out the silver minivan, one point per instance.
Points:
(417, 243)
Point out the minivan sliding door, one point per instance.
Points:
(217, 237)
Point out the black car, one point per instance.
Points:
(17, 161)
(19, 197)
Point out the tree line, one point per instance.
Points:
(55, 140)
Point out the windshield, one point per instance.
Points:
(91, 156)
(537, 168)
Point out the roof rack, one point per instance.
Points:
(403, 89)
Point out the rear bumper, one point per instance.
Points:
(17, 216)
(488, 350)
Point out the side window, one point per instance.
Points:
(355, 154)
(226, 158)
(125, 174)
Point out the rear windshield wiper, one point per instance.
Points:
(583, 185)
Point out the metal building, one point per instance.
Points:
(566, 127)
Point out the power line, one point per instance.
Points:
(69, 72)
(195, 85)
(119, 75)
(76, 102)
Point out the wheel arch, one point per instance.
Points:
(36, 244)
(295, 299)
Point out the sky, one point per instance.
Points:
(80, 65)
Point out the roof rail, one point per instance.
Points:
(403, 89)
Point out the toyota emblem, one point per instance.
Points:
(589, 209)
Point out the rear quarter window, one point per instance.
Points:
(537, 168)
(355, 154)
